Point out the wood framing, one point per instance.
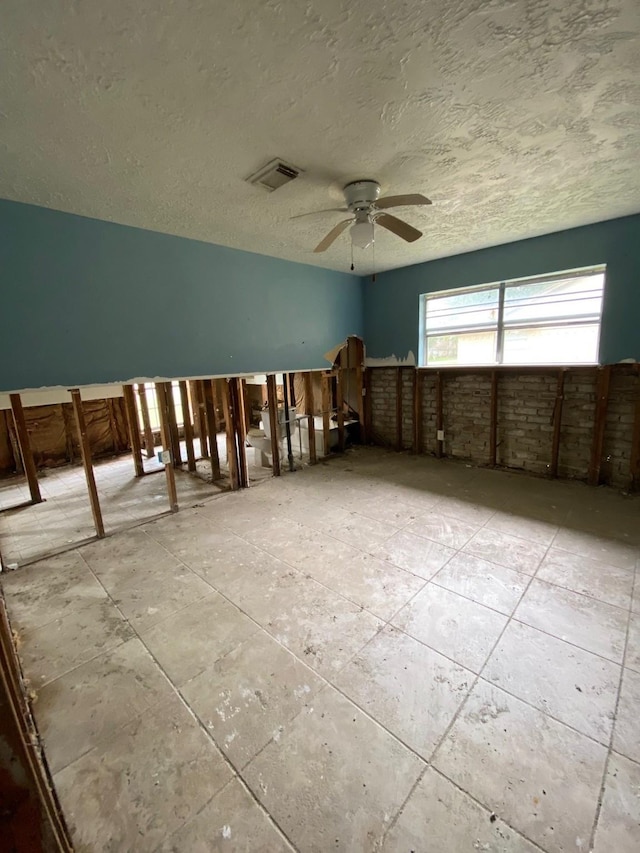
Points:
(200, 418)
(599, 424)
(176, 453)
(134, 430)
(308, 397)
(326, 413)
(149, 443)
(24, 448)
(32, 819)
(493, 420)
(340, 410)
(187, 425)
(557, 424)
(273, 423)
(368, 414)
(238, 409)
(439, 415)
(398, 408)
(417, 412)
(224, 394)
(165, 437)
(85, 450)
(209, 396)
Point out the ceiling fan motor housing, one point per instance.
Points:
(360, 195)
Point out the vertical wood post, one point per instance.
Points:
(224, 394)
(85, 450)
(24, 447)
(439, 414)
(273, 423)
(599, 423)
(398, 408)
(188, 428)
(237, 388)
(340, 409)
(417, 411)
(326, 413)
(200, 418)
(165, 437)
(176, 454)
(557, 424)
(493, 420)
(208, 393)
(359, 371)
(308, 398)
(112, 425)
(134, 430)
(149, 443)
(368, 413)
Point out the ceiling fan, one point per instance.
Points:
(367, 210)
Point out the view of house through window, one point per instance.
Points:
(546, 320)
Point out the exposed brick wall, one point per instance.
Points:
(527, 403)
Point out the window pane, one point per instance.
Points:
(555, 345)
(470, 348)
(578, 297)
(463, 310)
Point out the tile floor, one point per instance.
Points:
(64, 518)
(377, 653)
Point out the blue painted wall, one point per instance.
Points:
(391, 304)
(86, 301)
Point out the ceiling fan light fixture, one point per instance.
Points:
(362, 234)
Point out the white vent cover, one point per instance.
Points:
(275, 174)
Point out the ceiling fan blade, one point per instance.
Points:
(335, 232)
(402, 200)
(397, 226)
(314, 212)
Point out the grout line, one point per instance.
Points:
(607, 760)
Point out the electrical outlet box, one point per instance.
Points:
(165, 457)
(440, 435)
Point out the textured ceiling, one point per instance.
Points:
(516, 118)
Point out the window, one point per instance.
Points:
(546, 320)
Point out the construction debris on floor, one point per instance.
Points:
(382, 652)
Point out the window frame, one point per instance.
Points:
(499, 326)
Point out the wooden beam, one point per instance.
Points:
(599, 423)
(398, 408)
(176, 453)
(439, 414)
(326, 412)
(134, 428)
(368, 414)
(85, 450)
(308, 399)
(273, 423)
(493, 420)
(237, 402)
(557, 424)
(224, 394)
(165, 438)
(340, 410)
(24, 447)
(149, 443)
(417, 412)
(67, 419)
(112, 425)
(246, 402)
(208, 393)
(187, 425)
(200, 417)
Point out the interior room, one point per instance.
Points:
(320, 427)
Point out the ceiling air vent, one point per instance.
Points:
(275, 174)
